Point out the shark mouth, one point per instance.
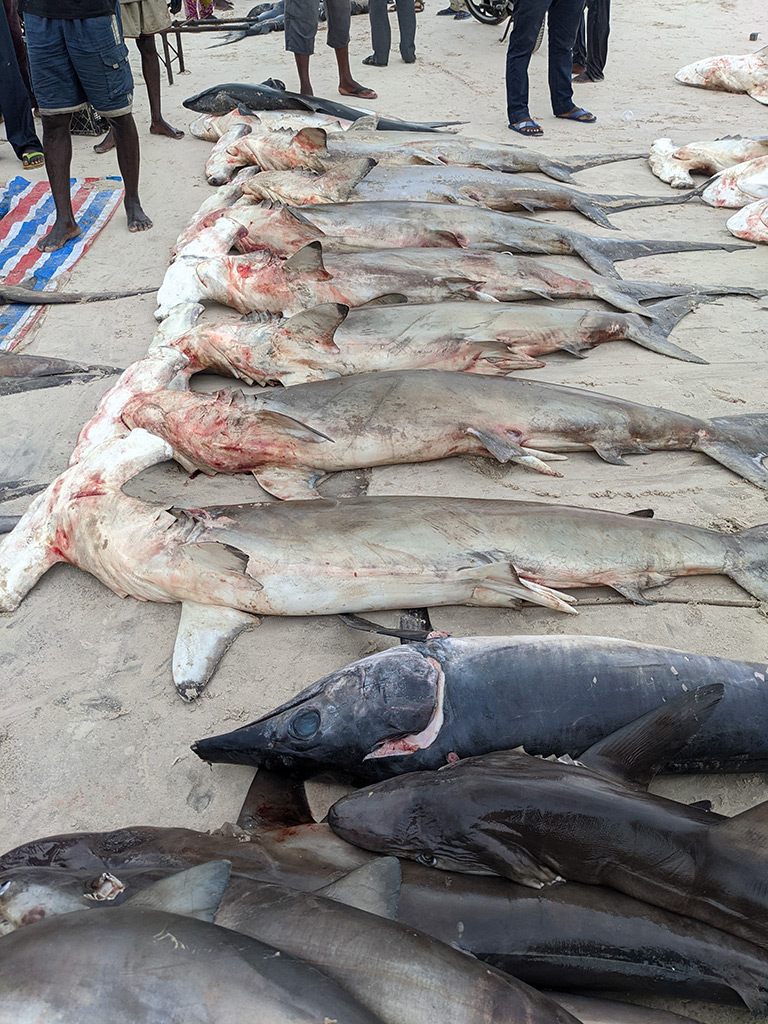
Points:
(420, 740)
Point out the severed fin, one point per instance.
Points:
(609, 454)
(631, 590)
(506, 450)
(196, 892)
(374, 887)
(317, 326)
(638, 751)
(205, 633)
(416, 620)
(289, 483)
(369, 123)
(309, 261)
(740, 443)
(749, 830)
(274, 801)
(404, 633)
(388, 299)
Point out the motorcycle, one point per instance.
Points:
(491, 12)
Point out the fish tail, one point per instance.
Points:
(602, 253)
(626, 295)
(591, 209)
(747, 562)
(619, 203)
(562, 169)
(741, 444)
(666, 316)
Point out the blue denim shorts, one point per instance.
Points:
(74, 62)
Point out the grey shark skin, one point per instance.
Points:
(408, 708)
(27, 373)
(220, 99)
(145, 962)
(606, 1011)
(405, 416)
(351, 227)
(537, 821)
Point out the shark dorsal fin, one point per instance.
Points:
(639, 750)
(374, 887)
(318, 325)
(196, 892)
(748, 829)
(310, 138)
(274, 801)
(368, 123)
(308, 260)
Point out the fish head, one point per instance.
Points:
(224, 278)
(227, 155)
(334, 725)
(413, 816)
(28, 895)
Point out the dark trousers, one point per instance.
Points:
(14, 98)
(562, 25)
(381, 35)
(591, 47)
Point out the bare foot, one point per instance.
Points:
(107, 143)
(353, 88)
(137, 219)
(58, 236)
(163, 128)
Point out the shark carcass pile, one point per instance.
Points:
(390, 291)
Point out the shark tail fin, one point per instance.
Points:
(562, 169)
(741, 444)
(602, 253)
(748, 560)
(666, 315)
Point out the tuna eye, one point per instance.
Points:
(305, 724)
(427, 858)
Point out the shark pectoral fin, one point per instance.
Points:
(388, 299)
(574, 348)
(289, 483)
(308, 261)
(205, 633)
(492, 848)
(631, 590)
(374, 887)
(274, 801)
(506, 450)
(548, 597)
(639, 750)
(609, 454)
(196, 892)
(501, 585)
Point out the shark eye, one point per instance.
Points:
(427, 858)
(305, 724)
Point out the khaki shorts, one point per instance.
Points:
(144, 17)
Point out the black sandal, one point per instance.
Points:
(371, 62)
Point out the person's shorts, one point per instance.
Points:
(301, 19)
(77, 62)
(144, 17)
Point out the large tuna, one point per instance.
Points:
(292, 438)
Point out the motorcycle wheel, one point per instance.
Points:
(487, 13)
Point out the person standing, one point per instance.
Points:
(590, 51)
(301, 20)
(77, 56)
(381, 34)
(141, 20)
(16, 100)
(562, 22)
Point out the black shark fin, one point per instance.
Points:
(638, 751)
(367, 626)
(274, 802)
(374, 887)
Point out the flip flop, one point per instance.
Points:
(578, 114)
(32, 158)
(371, 62)
(534, 126)
(446, 11)
(461, 15)
(418, 6)
(362, 93)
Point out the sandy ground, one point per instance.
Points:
(92, 735)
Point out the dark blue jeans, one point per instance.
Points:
(17, 110)
(562, 25)
(591, 48)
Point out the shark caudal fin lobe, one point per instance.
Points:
(619, 203)
(562, 169)
(741, 444)
(627, 295)
(666, 315)
(602, 253)
(747, 562)
(638, 751)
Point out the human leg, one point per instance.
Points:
(580, 46)
(339, 15)
(406, 20)
(17, 110)
(127, 147)
(598, 30)
(150, 68)
(529, 15)
(301, 18)
(58, 149)
(381, 33)
(562, 26)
